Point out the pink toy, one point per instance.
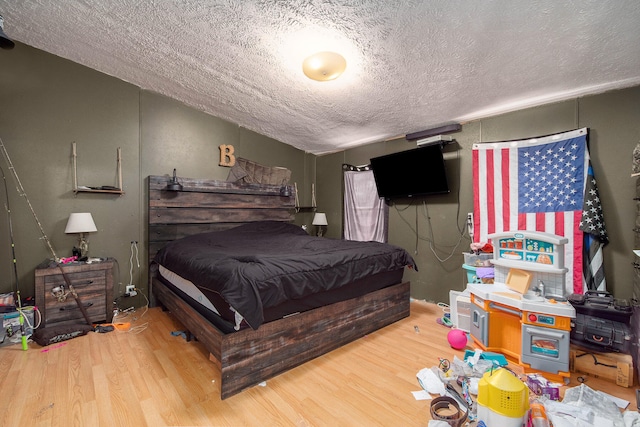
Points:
(457, 339)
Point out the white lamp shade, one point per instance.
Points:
(80, 223)
(320, 219)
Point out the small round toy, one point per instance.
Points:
(457, 339)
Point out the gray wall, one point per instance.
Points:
(614, 122)
(46, 103)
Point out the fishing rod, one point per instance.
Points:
(24, 194)
(25, 346)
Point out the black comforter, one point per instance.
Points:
(263, 264)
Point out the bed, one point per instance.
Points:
(285, 310)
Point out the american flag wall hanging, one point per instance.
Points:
(543, 184)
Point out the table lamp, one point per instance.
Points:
(320, 220)
(81, 223)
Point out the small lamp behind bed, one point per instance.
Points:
(320, 221)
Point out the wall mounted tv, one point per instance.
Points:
(417, 172)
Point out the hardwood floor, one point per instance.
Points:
(153, 378)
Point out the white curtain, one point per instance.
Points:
(366, 216)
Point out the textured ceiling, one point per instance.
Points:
(412, 65)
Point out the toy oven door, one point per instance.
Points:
(545, 349)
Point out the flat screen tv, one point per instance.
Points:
(417, 172)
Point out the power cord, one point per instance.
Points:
(134, 247)
(129, 314)
(433, 246)
(130, 290)
(595, 360)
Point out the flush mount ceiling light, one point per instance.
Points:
(324, 66)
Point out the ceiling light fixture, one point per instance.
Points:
(324, 66)
(5, 42)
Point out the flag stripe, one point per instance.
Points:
(491, 196)
(578, 286)
(506, 195)
(475, 159)
(594, 274)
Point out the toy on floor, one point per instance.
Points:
(457, 339)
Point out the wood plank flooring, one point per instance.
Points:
(153, 378)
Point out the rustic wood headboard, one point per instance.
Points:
(210, 205)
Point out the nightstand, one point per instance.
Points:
(92, 282)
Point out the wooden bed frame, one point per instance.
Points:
(248, 357)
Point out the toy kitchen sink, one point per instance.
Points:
(524, 314)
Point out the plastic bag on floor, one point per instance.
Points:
(583, 406)
(631, 418)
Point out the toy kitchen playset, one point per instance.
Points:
(524, 313)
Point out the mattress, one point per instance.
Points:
(227, 320)
(188, 289)
(266, 270)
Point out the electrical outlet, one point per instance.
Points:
(130, 291)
